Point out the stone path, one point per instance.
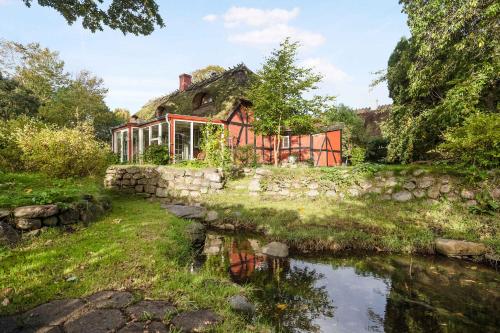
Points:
(108, 311)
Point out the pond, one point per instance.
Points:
(359, 293)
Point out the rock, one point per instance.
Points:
(196, 321)
(32, 233)
(452, 248)
(446, 188)
(418, 172)
(365, 185)
(425, 182)
(275, 249)
(331, 194)
(213, 177)
(495, 193)
(312, 193)
(254, 185)
(239, 303)
(8, 236)
(354, 192)
(216, 185)
(313, 186)
(391, 182)
(50, 221)
(263, 172)
(69, 216)
(284, 192)
(471, 203)
(161, 192)
(149, 310)
(467, 194)
(433, 192)
(188, 212)
(147, 327)
(4, 214)
(52, 313)
(196, 233)
(418, 193)
(402, 196)
(212, 216)
(95, 321)
(38, 211)
(110, 299)
(409, 186)
(28, 223)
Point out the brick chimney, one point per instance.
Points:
(184, 81)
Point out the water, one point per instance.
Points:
(360, 293)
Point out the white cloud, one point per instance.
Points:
(330, 72)
(267, 26)
(208, 18)
(275, 34)
(255, 17)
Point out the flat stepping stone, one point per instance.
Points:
(110, 299)
(187, 212)
(196, 321)
(138, 327)
(95, 321)
(52, 313)
(148, 310)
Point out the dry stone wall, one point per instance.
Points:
(163, 181)
(387, 185)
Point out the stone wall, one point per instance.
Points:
(31, 220)
(163, 181)
(387, 185)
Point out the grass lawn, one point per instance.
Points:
(19, 189)
(137, 246)
(357, 223)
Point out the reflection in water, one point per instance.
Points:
(361, 293)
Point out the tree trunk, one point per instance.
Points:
(276, 149)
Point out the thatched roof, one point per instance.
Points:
(226, 89)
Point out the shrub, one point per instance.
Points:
(376, 150)
(213, 145)
(63, 152)
(476, 142)
(244, 156)
(358, 155)
(156, 154)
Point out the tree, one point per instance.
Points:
(122, 115)
(447, 71)
(34, 67)
(276, 93)
(82, 100)
(16, 100)
(128, 16)
(206, 72)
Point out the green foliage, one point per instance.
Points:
(121, 115)
(156, 154)
(476, 142)
(277, 95)
(485, 204)
(447, 71)
(358, 155)
(16, 100)
(244, 156)
(213, 145)
(136, 17)
(66, 152)
(376, 150)
(206, 72)
(353, 131)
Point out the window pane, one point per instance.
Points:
(146, 137)
(164, 133)
(155, 132)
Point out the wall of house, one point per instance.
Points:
(164, 181)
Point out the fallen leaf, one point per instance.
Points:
(5, 301)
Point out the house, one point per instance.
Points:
(176, 120)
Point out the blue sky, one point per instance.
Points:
(344, 40)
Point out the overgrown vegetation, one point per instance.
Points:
(156, 154)
(213, 145)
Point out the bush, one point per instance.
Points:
(475, 143)
(358, 155)
(244, 156)
(10, 152)
(63, 152)
(156, 154)
(376, 150)
(213, 145)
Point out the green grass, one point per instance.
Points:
(365, 223)
(19, 189)
(137, 247)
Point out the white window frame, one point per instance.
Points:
(120, 137)
(191, 132)
(287, 145)
(155, 139)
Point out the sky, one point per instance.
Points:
(344, 40)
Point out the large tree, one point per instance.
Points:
(353, 132)
(277, 94)
(16, 100)
(447, 71)
(128, 16)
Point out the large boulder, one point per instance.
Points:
(4, 214)
(8, 236)
(275, 249)
(96, 321)
(36, 212)
(457, 248)
(187, 212)
(239, 303)
(28, 224)
(402, 196)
